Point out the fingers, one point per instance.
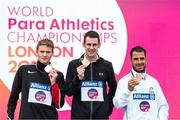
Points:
(53, 72)
(135, 81)
(132, 83)
(53, 75)
(80, 71)
(81, 67)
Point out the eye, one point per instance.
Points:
(48, 51)
(88, 44)
(42, 51)
(142, 58)
(94, 45)
(135, 58)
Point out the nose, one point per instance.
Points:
(45, 54)
(139, 61)
(91, 46)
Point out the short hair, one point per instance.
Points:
(47, 42)
(137, 49)
(91, 34)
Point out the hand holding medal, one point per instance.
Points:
(81, 68)
(51, 73)
(48, 68)
(138, 77)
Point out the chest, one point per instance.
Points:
(34, 77)
(146, 90)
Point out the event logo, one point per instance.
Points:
(40, 96)
(25, 22)
(92, 93)
(144, 106)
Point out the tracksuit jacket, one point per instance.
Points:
(28, 75)
(101, 71)
(145, 102)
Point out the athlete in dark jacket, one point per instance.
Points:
(87, 80)
(41, 92)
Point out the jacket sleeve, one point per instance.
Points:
(14, 95)
(56, 95)
(72, 83)
(60, 91)
(112, 87)
(162, 104)
(121, 98)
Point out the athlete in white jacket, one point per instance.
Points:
(139, 94)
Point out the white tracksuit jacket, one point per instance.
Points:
(145, 102)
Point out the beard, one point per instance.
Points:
(140, 70)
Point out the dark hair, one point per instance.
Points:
(137, 49)
(91, 34)
(47, 42)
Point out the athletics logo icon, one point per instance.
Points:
(40, 96)
(93, 93)
(144, 106)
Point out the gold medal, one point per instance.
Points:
(138, 77)
(85, 62)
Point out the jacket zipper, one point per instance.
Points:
(91, 102)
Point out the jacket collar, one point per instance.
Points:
(99, 59)
(40, 66)
(134, 74)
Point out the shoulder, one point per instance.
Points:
(126, 78)
(24, 69)
(29, 67)
(107, 62)
(104, 61)
(75, 62)
(60, 73)
(152, 79)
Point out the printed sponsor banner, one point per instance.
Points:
(143, 96)
(40, 93)
(92, 91)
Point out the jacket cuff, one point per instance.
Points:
(55, 95)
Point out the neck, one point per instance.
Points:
(91, 59)
(134, 73)
(41, 66)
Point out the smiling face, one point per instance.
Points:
(91, 46)
(138, 61)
